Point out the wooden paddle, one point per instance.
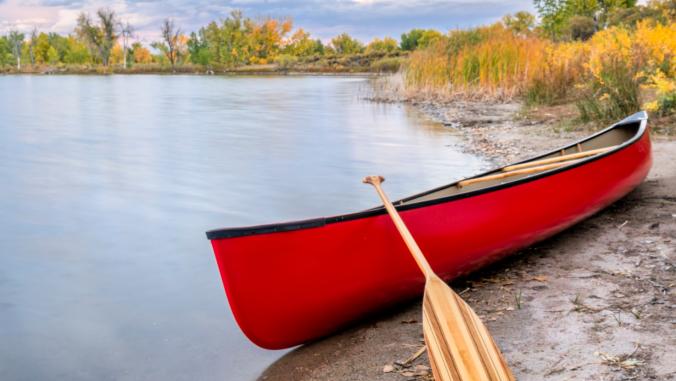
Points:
(459, 345)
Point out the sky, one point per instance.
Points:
(364, 19)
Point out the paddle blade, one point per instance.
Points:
(458, 344)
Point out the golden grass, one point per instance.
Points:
(494, 62)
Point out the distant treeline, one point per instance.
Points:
(236, 41)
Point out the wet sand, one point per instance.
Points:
(595, 302)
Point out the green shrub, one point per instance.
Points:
(612, 96)
(387, 65)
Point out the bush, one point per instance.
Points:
(581, 27)
(286, 61)
(614, 95)
(665, 104)
(386, 65)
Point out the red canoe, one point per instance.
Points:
(294, 282)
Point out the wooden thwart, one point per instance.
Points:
(458, 344)
(557, 159)
(536, 166)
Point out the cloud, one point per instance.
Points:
(364, 19)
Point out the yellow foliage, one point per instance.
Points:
(142, 55)
(116, 54)
(495, 61)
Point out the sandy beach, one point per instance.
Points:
(592, 303)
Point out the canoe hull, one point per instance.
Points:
(290, 287)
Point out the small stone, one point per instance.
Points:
(388, 368)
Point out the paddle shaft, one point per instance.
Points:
(403, 230)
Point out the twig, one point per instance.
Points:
(408, 361)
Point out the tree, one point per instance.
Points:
(556, 14)
(41, 50)
(386, 45)
(429, 37)
(171, 42)
(6, 57)
(15, 42)
(126, 32)
(520, 23)
(344, 44)
(33, 43)
(409, 41)
(141, 54)
(198, 48)
(419, 38)
(102, 37)
(76, 52)
(301, 45)
(581, 27)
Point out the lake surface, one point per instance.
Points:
(108, 183)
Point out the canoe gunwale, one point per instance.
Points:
(640, 117)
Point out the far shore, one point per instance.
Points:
(272, 71)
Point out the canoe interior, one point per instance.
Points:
(609, 138)
(619, 135)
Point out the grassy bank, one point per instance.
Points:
(617, 71)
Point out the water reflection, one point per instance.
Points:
(108, 184)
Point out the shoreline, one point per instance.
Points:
(206, 74)
(596, 298)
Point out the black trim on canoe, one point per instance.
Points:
(640, 117)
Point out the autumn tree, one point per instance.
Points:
(301, 45)
(141, 54)
(15, 42)
(264, 38)
(172, 45)
(344, 44)
(386, 45)
(76, 52)
(101, 37)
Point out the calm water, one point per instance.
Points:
(107, 185)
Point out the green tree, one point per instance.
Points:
(15, 40)
(419, 38)
(41, 50)
(428, 37)
(556, 14)
(52, 56)
(386, 45)
(101, 37)
(6, 57)
(199, 49)
(76, 52)
(581, 27)
(520, 23)
(409, 41)
(301, 45)
(344, 44)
